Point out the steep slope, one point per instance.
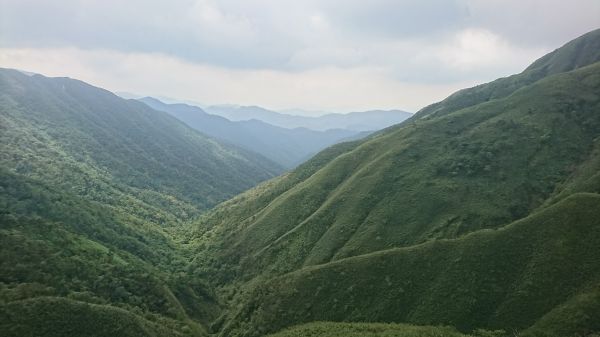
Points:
(428, 179)
(330, 329)
(502, 279)
(575, 54)
(288, 147)
(358, 121)
(55, 243)
(92, 142)
(32, 317)
(92, 190)
(427, 203)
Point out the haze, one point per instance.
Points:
(328, 55)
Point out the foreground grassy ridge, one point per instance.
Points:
(57, 317)
(544, 266)
(480, 167)
(333, 329)
(55, 244)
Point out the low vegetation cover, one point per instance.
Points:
(477, 217)
(333, 329)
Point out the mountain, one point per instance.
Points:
(579, 52)
(93, 189)
(287, 147)
(53, 125)
(358, 121)
(481, 211)
(479, 216)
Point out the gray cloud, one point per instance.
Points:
(399, 19)
(277, 34)
(435, 43)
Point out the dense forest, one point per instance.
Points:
(479, 216)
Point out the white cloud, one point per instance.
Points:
(328, 88)
(402, 54)
(481, 49)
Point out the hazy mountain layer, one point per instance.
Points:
(358, 121)
(288, 147)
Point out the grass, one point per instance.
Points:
(481, 212)
(54, 317)
(333, 329)
(428, 179)
(493, 279)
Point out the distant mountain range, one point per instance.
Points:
(288, 147)
(358, 121)
(371, 120)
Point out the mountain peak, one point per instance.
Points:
(577, 53)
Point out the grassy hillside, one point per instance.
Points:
(479, 216)
(93, 189)
(480, 213)
(32, 318)
(288, 147)
(331, 329)
(427, 179)
(53, 243)
(95, 144)
(580, 52)
(500, 279)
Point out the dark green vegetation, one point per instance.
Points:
(501, 279)
(93, 143)
(482, 211)
(288, 147)
(332, 329)
(479, 216)
(92, 189)
(45, 316)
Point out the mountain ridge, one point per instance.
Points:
(358, 121)
(288, 147)
(477, 216)
(472, 166)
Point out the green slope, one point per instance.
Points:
(95, 144)
(502, 279)
(479, 167)
(53, 243)
(481, 212)
(45, 316)
(410, 225)
(580, 52)
(93, 190)
(331, 329)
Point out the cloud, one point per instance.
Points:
(329, 88)
(426, 44)
(282, 34)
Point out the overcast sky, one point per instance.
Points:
(335, 55)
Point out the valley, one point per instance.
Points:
(478, 216)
